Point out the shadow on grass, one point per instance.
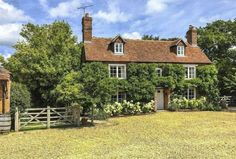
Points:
(42, 127)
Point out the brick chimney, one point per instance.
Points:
(87, 28)
(191, 35)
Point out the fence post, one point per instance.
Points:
(17, 120)
(48, 117)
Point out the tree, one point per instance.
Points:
(230, 83)
(68, 91)
(169, 39)
(150, 37)
(2, 60)
(20, 97)
(96, 83)
(217, 40)
(47, 54)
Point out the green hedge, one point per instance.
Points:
(20, 97)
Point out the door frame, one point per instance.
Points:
(166, 97)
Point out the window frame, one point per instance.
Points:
(159, 69)
(190, 75)
(180, 51)
(187, 96)
(117, 99)
(120, 48)
(117, 70)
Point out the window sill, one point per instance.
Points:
(189, 78)
(118, 53)
(118, 78)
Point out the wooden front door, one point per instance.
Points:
(159, 99)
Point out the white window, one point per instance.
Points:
(118, 48)
(118, 97)
(190, 93)
(180, 50)
(159, 72)
(117, 71)
(190, 72)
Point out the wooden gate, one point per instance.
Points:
(45, 117)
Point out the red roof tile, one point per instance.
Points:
(142, 51)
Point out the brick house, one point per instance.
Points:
(117, 52)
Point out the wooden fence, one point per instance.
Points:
(230, 100)
(46, 117)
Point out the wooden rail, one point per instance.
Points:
(230, 100)
(46, 117)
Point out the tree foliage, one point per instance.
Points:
(230, 83)
(2, 60)
(150, 37)
(98, 87)
(48, 53)
(218, 40)
(68, 91)
(20, 97)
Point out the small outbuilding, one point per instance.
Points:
(5, 82)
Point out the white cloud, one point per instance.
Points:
(10, 33)
(113, 14)
(11, 19)
(44, 4)
(66, 9)
(133, 35)
(156, 6)
(10, 14)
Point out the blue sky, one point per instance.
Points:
(130, 18)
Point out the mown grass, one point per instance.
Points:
(160, 135)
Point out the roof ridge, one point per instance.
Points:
(107, 38)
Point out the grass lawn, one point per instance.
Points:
(160, 135)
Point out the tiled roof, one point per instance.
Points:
(142, 51)
(4, 74)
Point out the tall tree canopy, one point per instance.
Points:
(218, 40)
(152, 37)
(47, 54)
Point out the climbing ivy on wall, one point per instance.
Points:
(142, 81)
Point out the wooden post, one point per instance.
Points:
(17, 120)
(76, 115)
(48, 117)
(92, 114)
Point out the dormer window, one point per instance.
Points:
(118, 48)
(180, 51)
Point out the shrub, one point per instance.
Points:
(199, 104)
(130, 107)
(113, 109)
(100, 114)
(148, 107)
(20, 97)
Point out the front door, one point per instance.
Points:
(160, 98)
